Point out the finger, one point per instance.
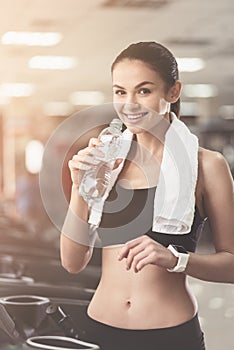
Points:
(92, 152)
(86, 158)
(89, 157)
(93, 142)
(132, 255)
(147, 249)
(95, 152)
(138, 258)
(75, 166)
(149, 259)
(123, 253)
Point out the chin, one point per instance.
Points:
(135, 129)
(146, 127)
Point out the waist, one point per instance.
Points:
(145, 311)
(148, 299)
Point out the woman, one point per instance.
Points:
(141, 299)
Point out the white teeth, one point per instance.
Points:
(135, 116)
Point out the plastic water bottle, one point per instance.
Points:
(95, 181)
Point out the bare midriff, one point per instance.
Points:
(151, 298)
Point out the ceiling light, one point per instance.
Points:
(87, 98)
(16, 89)
(59, 108)
(33, 156)
(200, 90)
(52, 62)
(31, 38)
(190, 64)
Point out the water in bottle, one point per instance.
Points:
(95, 181)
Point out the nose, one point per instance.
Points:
(130, 104)
(130, 99)
(130, 107)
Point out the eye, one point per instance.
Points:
(144, 91)
(119, 92)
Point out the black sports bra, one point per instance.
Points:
(128, 214)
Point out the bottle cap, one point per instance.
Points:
(117, 123)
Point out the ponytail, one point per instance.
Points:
(175, 107)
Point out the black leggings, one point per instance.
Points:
(187, 336)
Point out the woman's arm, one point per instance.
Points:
(218, 197)
(77, 240)
(75, 248)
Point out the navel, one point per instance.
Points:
(128, 303)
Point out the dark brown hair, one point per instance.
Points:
(158, 58)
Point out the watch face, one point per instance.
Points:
(180, 249)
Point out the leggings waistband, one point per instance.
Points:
(187, 335)
(187, 324)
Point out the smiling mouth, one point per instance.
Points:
(135, 116)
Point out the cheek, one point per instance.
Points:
(118, 108)
(154, 103)
(163, 106)
(118, 102)
(118, 105)
(157, 104)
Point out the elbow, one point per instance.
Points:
(77, 265)
(73, 268)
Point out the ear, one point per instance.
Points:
(174, 92)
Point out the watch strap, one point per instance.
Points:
(182, 260)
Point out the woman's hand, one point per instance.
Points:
(143, 251)
(84, 160)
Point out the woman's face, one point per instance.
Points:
(139, 95)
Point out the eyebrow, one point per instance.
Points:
(137, 86)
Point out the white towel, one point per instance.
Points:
(174, 202)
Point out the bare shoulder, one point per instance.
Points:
(209, 158)
(212, 163)
(214, 178)
(217, 197)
